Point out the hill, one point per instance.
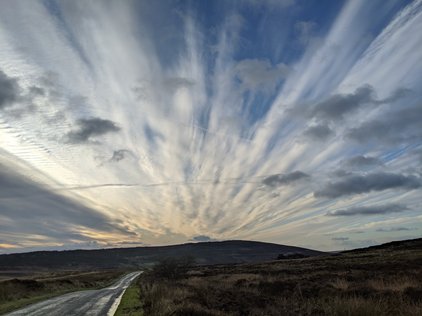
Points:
(381, 280)
(218, 252)
(410, 244)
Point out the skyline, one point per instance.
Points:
(154, 123)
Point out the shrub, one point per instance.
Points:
(172, 268)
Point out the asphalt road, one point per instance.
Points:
(102, 302)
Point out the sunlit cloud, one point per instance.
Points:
(152, 122)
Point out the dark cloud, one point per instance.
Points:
(202, 238)
(284, 179)
(37, 91)
(335, 107)
(120, 155)
(358, 184)
(9, 90)
(394, 229)
(397, 95)
(318, 132)
(30, 208)
(370, 210)
(89, 128)
(340, 238)
(359, 162)
(394, 127)
(338, 106)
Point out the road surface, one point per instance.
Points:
(102, 302)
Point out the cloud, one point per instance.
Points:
(202, 238)
(284, 179)
(305, 30)
(260, 74)
(397, 95)
(37, 91)
(273, 4)
(337, 106)
(318, 132)
(340, 238)
(200, 169)
(127, 244)
(394, 127)
(393, 229)
(370, 210)
(120, 155)
(358, 184)
(34, 209)
(89, 128)
(359, 162)
(9, 90)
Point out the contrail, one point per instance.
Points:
(226, 181)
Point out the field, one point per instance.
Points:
(375, 281)
(21, 288)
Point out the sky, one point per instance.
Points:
(130, 123)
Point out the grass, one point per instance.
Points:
(19, 292)
(375, 282)
(130, 305)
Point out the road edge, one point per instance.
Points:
(116, 303)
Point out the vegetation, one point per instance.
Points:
(18, 292)
(380, 281)
(283, 256)
(172, 268)
(218, 252)
(130, 305)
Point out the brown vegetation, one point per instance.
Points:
(372, 282)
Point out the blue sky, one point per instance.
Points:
(160, 122)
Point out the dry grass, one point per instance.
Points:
(340, 284)
(395, 284)
(351, 284)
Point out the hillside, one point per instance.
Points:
(382, 280)
(410, 244)
(223, 252)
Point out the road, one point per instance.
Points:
(103, 302)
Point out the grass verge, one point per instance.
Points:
(130, 305)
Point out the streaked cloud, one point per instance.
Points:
(359, 162)
(155, 122)
(393, 229)
(257, 74)
(370, 210)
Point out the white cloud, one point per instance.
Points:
(194, 161)
(260, 74)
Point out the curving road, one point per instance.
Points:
(102, 302)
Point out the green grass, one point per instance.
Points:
(130, 305)
(20, 292)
